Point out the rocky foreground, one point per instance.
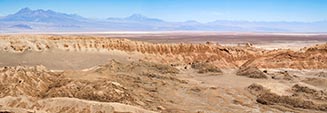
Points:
(145, 77)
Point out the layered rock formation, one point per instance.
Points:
(113, 87)
(34, 89)
(158, 77)
(187, 53)
(222, 56)
(297, 96)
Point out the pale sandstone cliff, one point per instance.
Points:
(187, 53)
(221, 56)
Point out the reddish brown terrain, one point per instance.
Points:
(140, 73)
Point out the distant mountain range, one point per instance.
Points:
(27, 20)
(48, 16)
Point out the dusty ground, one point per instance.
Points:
(71, 73)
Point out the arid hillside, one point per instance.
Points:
(70, 73)
(221, 56)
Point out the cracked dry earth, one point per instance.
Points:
(84, 74)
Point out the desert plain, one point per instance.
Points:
(167, 72)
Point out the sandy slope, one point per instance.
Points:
(90, 74)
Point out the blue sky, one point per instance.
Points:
(182, 10)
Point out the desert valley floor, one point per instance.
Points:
(163, 72)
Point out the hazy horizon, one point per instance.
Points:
(181, 10)
(163, 15)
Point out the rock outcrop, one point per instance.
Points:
(297, 96)
(251, 72)
(23, 104)
(184, 53)
(312, 58)
(37, 89)
(222, 56)
(206, 68)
